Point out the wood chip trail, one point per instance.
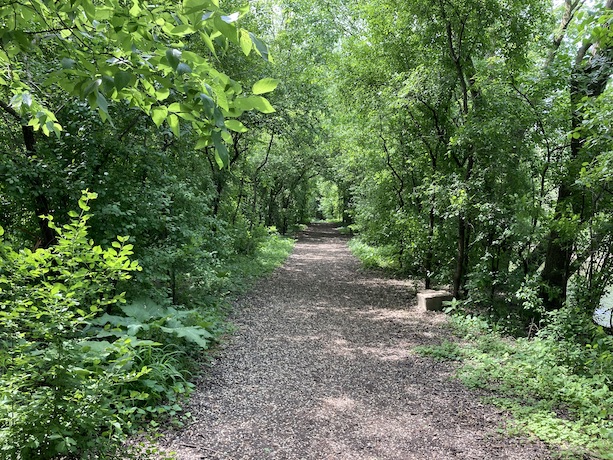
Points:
(322, 367)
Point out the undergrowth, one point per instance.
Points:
(557, 383)
(383, 257)
(557, 386)
(239, 272)
(82, 366)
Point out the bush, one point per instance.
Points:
(57, 384)
(80, 367)
(558, 385)
(374, 256)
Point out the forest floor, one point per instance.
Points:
(322, 366)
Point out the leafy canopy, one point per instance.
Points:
(159, 57)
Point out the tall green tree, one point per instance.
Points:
(157, 58)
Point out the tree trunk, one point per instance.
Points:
(41, 202)
(430, 250)
(460, 270)
(588, 80)
(42, 207)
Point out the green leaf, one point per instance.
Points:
(102, 103)
(245, 42)
(208, 104)
(183, 29)
(236, 126)
(68, 63)
(23, 39)
(91, 87)
(173, 123)
(226, 136)
(135, 10)
(218, 118)
(174, 57)
(183, 68)
(221, 151)
(203, 142)
(254, 102)
(162, 94)
(192, 334)
(228, 30)
(144, 310)
(265, 85)
(208, 42)
(108, 84)
(196, 6)
(122, 79)
(175, 107)
(90, 9)
(158, 115)
(260, 46)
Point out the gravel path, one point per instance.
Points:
(321, 367)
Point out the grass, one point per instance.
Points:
(383, 257)
(557, 390)
(239, 273)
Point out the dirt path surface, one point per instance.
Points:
(322, 367)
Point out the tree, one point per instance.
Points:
(157, 58)
(591, 72)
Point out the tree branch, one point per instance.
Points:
(11, 111)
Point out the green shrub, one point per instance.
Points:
(374, 256)
(79, 367)
(446, 351)
(557, 385)
(58, 385)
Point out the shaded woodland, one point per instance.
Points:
(152, 154)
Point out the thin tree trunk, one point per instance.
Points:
(42, 207)
(430, 250)
(589, 79)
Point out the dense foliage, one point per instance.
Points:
(466, 142)
(473, 148)
(126, 112)
(474, 153)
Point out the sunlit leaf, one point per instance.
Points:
(221, 151)
(158, 115)
(173, 123)
(254, 102)
(236, 126)
(266, 85)
(174, 57)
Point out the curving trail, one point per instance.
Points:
(321, 367)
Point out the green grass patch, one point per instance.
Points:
(556, 387)
(240, 272)
(446, 351)
(344, 230)
(384, 257)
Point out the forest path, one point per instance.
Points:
(322, 367)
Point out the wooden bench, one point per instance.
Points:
(432, 300)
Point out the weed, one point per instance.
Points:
(446, 351)
(555, 386)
